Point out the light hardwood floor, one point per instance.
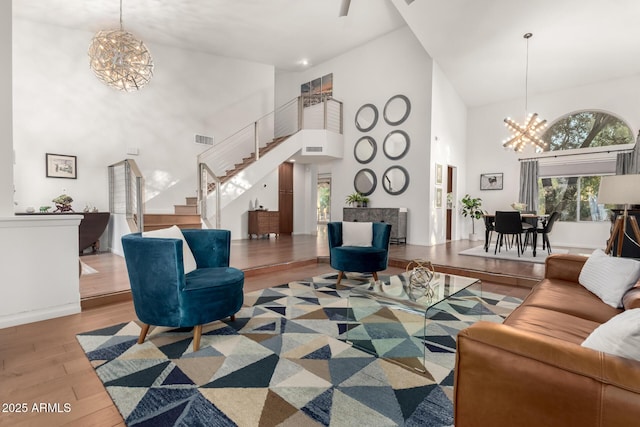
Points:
(43, 363)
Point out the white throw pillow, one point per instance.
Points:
(619, 336)
(609, 277)
(175, 233)
(357, 233)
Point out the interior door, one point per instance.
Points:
(449, 205)
(285, 197)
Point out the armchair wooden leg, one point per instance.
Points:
(340, 277)
(375, 276)
(197, 333)
(143, 333)
(232, 317)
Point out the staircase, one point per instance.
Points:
(226, 170)
(246, 161)
(184, 216)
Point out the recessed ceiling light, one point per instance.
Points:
(304, 62)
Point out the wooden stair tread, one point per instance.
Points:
(247, 161)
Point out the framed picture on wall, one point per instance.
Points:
(438, 197)
(61, 166)
(438, 174)
(491, 181)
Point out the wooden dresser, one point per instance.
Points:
(264, 222)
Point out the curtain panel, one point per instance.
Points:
(529, 184)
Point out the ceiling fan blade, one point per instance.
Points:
(344, 7)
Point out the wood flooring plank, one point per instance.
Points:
(107, 417)
(78, 410)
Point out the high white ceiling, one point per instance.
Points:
(477, 43)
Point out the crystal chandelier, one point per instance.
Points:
(528, 132)
(120, 60)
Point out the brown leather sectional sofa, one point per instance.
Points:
(532, 371)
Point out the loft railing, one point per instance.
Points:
(126, 186)
(303, 112)
(299, 113)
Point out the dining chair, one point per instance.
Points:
(546, 229)
(489, 228)
(509, 223)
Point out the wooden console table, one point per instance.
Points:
(264, 222)
(90, 229)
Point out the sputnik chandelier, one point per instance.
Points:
(120, 60)
(528, 132)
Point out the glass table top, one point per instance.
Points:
(421, 298)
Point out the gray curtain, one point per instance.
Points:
(529, 184)
(629, 163)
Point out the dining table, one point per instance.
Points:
(530, 218)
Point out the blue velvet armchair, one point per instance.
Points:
(360, 259)
(164, 296)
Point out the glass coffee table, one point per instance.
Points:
(390, 318)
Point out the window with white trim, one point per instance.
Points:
(569, 184)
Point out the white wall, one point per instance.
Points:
(448, 148)
(6, 138)
(373, 73)
(61, 107)
(486, 132)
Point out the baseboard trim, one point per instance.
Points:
(39, 315)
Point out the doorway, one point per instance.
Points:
(451, 197)
(323, 202)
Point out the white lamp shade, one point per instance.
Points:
(619, 190)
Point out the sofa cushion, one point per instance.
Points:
(175, 233)
(551, 323)
(619, 336)
(357, 233)
(570, 298)
(609, 277)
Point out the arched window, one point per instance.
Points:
(570, 184)
(587, 128)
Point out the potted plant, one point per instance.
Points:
(471, 207)
(357, 200)
(63, 203)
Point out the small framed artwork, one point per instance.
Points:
(438, 174)
(61, 166)
(438, 197)
(491, 181)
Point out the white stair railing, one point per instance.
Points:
(297, 114)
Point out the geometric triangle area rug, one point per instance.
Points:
(285, 361)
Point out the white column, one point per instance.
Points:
(6, 107)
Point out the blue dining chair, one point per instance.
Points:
(163, 295)
(359, 259)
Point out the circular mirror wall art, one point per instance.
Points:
(395, 180)
(365, 182)
(365, 149)
(366, 117)
(396, 144)
(396, 110)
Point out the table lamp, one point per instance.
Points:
(620, 190)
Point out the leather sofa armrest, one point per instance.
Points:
(632, 298)
(564, 267)
(505, 376)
